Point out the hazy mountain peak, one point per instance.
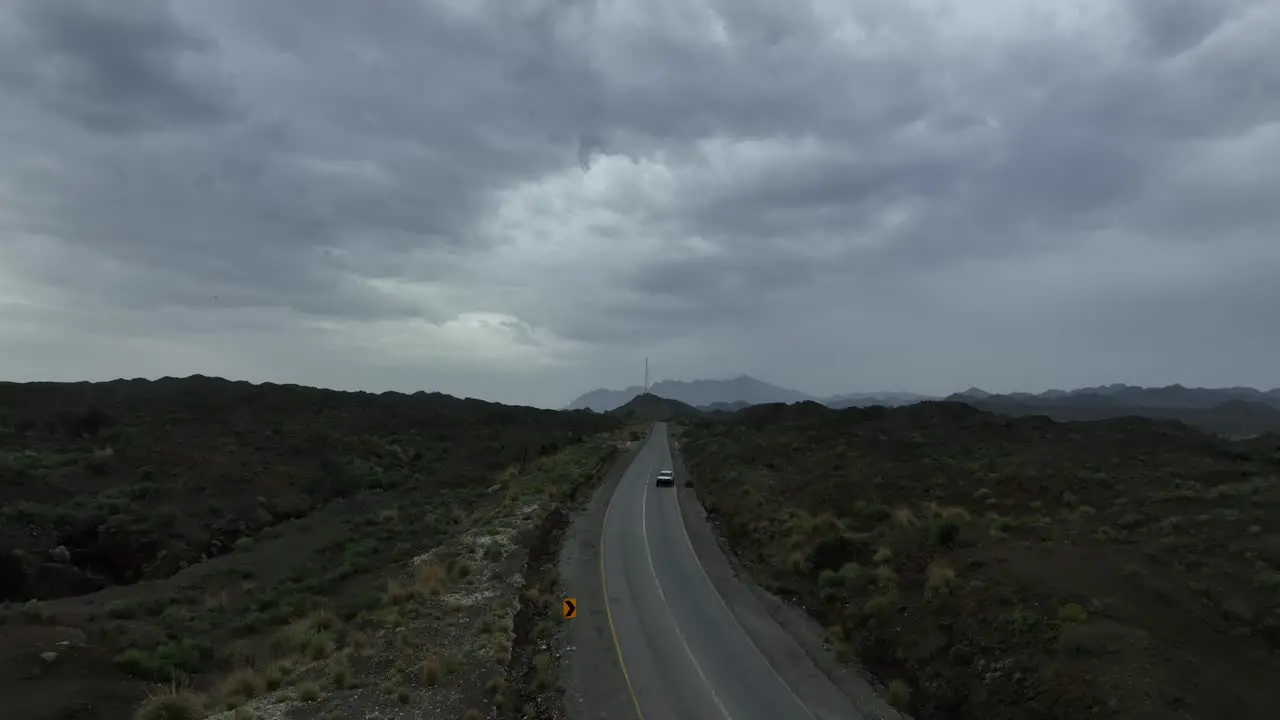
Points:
(735, 391)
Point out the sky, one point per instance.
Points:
(520, 200)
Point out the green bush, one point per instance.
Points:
(173, 704)
(166, 662)
(1072, 613)
(123, 609)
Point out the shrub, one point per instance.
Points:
(945, 533)
(1079, 641)
(1072, 613)
(899, 694)
(939, 577)
(451, 664)
(881, 604)
(430, 672)
(273, 676)
(171, 704)
(243, 682)
(34, 610)
(340, 674)
(904, 518)
(496, 685)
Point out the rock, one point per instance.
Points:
(1239, 610)
(49, 656)
(60, 554)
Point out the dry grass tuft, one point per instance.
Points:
(899, 694)
(430, 672)
(172, 703)
(939, 579)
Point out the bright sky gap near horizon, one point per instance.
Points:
(519, 201)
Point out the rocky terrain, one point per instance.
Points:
(195, 546)
(984, 566)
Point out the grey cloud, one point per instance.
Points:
(114, 66)
(1167, 28)
(239, 156)
(247, 208)
(840, 192)
(679, 297)
(1085, 148)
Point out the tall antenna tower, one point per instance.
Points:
(646, 376)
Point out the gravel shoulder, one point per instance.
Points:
(592, 678)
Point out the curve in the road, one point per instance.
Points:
(613, 630)
(683, 651)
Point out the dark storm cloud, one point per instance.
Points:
(1170, 27)
(1076, 142)
(384, 134)
(114, 65)
(631, 175)
(679, 297)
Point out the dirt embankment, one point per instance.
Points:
(274, 548)
(993, 567)
(535, 661)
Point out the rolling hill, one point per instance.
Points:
(1121, 569)
(653, 408)
(1231, 412)
(1133, 396)
(733, 394)
(1237, 412)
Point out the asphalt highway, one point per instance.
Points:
(684, 653)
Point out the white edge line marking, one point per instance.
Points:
(644, 532)
(725, 605)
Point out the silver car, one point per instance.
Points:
(666, 478)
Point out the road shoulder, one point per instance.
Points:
(790, 640)
(594, 685)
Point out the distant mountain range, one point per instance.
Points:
(1232, 411)
(733, 394)
(1119, 395)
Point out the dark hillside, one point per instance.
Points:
(652, 408)
(136, 479)
(1214, 411)
(1000, 567)
(310, 543)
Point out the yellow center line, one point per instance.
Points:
(604, 585)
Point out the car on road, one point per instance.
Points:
(666, 478)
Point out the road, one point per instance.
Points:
(684, 653)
